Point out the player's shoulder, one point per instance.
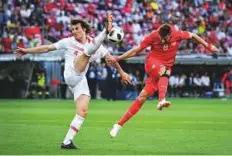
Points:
(153, 34)
(68, 39)
(176, 32)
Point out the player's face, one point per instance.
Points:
(78, 32)
(166, 39)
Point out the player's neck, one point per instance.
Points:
(82, 40)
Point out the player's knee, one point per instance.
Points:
(143, 96)
(83, 112)
(164, 72)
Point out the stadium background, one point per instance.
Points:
(197, 75)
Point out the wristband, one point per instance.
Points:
(118, 59)
(209, 47)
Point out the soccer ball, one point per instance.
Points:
(116, 35)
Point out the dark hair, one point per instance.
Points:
(164, 30)
(83, 24)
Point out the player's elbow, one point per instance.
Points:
(50, 47)
(44, 48)
(137, 49)
(192, 35)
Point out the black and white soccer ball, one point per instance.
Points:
(115, 35)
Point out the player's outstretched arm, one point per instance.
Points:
(131, 53)
(40, 49)
(209, 46)
(125, 77)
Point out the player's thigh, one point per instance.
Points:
(81, 62)
(153, 67)
(81, 88)
(150, 86)
(73, 79)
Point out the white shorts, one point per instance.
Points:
(77, 84)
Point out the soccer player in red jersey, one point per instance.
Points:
(164, 44)
(227, 81)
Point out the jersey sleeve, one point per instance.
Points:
(61, 44)
(102, 51)
(147, 41)
(184, 35)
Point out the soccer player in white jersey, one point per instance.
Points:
(80, 50)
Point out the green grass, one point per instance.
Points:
(189, 126)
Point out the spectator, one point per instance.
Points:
(205, 80)
(101, 79)
(172, 85)
(181, 85)
(197, 85)
(92, 80)
(190, 85)
(227, 81)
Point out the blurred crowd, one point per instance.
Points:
(26, 23)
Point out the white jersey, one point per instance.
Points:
(72, 48)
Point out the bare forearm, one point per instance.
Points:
(208, 46)
(131, 53)
(200, 40)
(39, 49)
(118, 67)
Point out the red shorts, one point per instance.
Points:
(152, 67)
(228, 84)
(151, 86)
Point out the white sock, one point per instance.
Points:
(73, 129)
(91, 47)
(162, 101)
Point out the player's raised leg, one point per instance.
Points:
(148, 90)
(81, 61)
(91, 47)
(82, 103)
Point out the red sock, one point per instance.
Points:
(162, 87)
(134, 108)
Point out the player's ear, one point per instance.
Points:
(85, 30)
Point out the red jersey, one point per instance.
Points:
(166, 54)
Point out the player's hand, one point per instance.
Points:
(214, 49)
(20, 51)
(110, 60)
(126, 78)
(109, 23)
